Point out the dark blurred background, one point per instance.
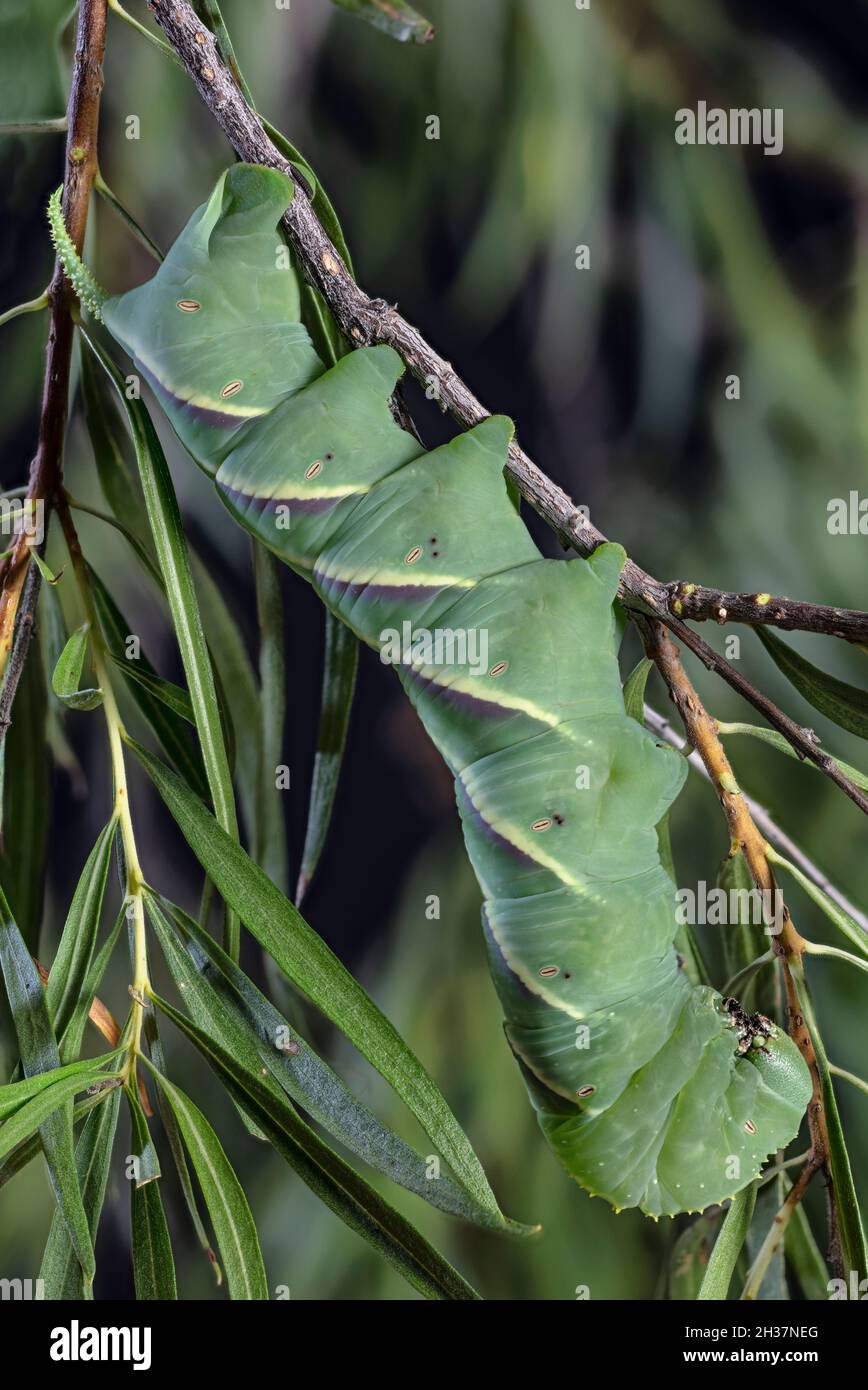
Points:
(556, 130)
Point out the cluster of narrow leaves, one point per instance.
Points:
(217, 734)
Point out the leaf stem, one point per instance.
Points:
(115, 730)
(30, 306)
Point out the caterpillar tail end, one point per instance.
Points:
(87, 290)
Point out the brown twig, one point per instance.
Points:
(46, 469)
(763, 821)
(366, 321)
(788, 945)
(700, 604)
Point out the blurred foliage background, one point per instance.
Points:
(556, 130)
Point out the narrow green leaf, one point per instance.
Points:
(242, 692)
(153, 1263)
(778, 741)
(743, 939)
(769, 1199)
(176, 1145)
(333, 1181)
(111, 451)
(26, 797)
(843, 1192)
(171, 548)
(270, 845)
(174, 697)
(728, 1245)
(17, 1093)
(75, 951)
(339, 679)
(836, 914)
(165, 714)
(689, 1258)
(320, 201)
(32, 1116)
(803, 1256)
(47, 574)
(224, 1197)
(394, 17)
(70, 1042)
(846, 705)
(38, 1051)
(24, 1152)
(67, 673)
(634, 690)
(60, 1269)
(223, 1001)
(146, 1160)
(307, 960)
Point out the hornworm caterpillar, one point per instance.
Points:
(642, 1082)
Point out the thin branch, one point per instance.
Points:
(699, 603)
(30, 306)
(804, 741)
(788, 945)
(763, 821)
(48, 125)
(45, 472)
(366, 321)
(20, 646)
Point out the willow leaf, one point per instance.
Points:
(171, 547)
(270, 844)
(393, 17)
(67, 673)
(60, 1269)
(153, 1263)
(176, 1145)
(70, 1042)
(23, 1153)
(17, 1093)
(75, 951)
(843, 1192)
(38, 1050)
(338, 684)
(168, 726)
(778, 741)
(333, 1181)
(313, 967)
(835, 913)
(846, 705)
(224, 1197)
(110, 445)
(224, 1001)
(26, 797)
(728, 1246)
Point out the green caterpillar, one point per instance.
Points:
(640, 1079)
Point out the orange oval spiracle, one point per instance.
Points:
(413, 555)
(188, 306)
(498, 668)
(231, 389)
(543, 824)
(549, 971)
(314, 469)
